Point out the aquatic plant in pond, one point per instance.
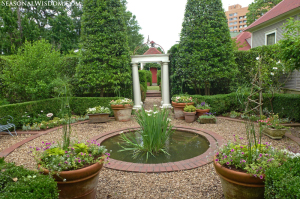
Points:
(155, 130)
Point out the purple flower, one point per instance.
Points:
(59, 164)
(78, 142)
(90, 155)
(37, 148)
(98, 144)
(66, 151)
(72, 148)
(217, 153)
(68, 156)
(261, 176)
(234, 135)
(30, 147)
(42, 142)
(260, 155)
(79, 161)
(232, 150)
(241, 147)
(81, 153)
(231, 160)
(202, 103)
(217, 160)
(255, 175)
(243, 153)
(241, 138)
(227, 163)
(108, 154)
(66, 162)
(225, 156)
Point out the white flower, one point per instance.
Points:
(155, 105)
(49, 114)
(42, 111)
(272, 73)
(121, 132)
(155, 112)
(169, 120)
(257, 58)
(278, 62)
(275, 68)
(149, 114)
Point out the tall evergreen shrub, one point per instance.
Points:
(105, 62)
(205, 48)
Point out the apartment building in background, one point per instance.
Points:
(236, 17)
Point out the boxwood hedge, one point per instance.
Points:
(17, 182)
(78, 105)
(143, 78)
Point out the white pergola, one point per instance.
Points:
(163, 59)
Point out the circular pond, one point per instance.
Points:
(181, 145)
(200, 155)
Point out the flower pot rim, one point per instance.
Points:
(99, 114)
(190, 112)
(202, 110)
(238, 177)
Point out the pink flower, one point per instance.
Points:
(216, 160)
(232, 150)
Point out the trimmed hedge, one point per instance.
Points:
(143, 93)
(149, 77)
(284, 181)
(79, 105)
(285, 105)
(143, 78)
(158, 77)
(29, 184)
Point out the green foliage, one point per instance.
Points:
(143, 92)
(39, 63)
(189, 108)
(285, 105)
(79, 106)
(68, 65)
(158, 77)
(143, 77)
(205, 52)
(284, 181)
(290, 44)
(80, 148)
(149, 77)
(258, 8)
(155, 130)
(17, 182)
(105, 62)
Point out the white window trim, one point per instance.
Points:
(271, 32)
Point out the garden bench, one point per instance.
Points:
(6, 127)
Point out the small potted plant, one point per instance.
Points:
(122, 109)
(189, 113)
(272, 127)
(207, 118)
(202, 109)
(242, 167)
(179, 102)
(98, 114)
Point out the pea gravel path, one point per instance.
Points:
(201, 182)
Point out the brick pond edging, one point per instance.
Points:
(214, 139)
(35, 134)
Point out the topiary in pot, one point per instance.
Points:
(189, 113)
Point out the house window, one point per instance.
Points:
(231, 23)
(245, 25)
(245, 21)
(240, 21)
(233, 14)
(230, 28)
(245, 17)
(241, 17)
(241, 30)
(270, 38)
(241, 26)
(234, 27)
(235, 22)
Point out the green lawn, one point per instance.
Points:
(153, 87)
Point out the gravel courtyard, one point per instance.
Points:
(201, 182)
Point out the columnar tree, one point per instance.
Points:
(105, 62)
(205, 49)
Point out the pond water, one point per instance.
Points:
(181, 145)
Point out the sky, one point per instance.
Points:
(162, 19)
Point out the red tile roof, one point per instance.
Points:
(281, 8)
(242, 39)
(152, 51)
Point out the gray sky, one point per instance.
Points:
(162, 19)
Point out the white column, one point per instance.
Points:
(166, 89)
(142, 66)
(161, 83)
(136, 87)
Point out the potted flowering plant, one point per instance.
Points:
(75, 166)
(189, 113)
(179, 102)
(241, 167)
(272, 127)
(202, 109)
(208, 118)
(98, 114)
(122, 109)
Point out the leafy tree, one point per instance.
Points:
(30, 75)
(205, 49)
(105, 62)
(290, 44)
(258, 8)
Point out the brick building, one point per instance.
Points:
(236, 17)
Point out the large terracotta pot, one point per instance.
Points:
(122, 112)
(100, 117)
(189, 116)
(275, 134)
(200, 112)
(178, 109)
(237, 185)
(80, 183)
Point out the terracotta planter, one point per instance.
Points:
(201, 112)
(80, 183)
(208, 120)
(100, 117)
(122, 112)
(275, 134)
(178, 109)
(189, 116)
(237, 185)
